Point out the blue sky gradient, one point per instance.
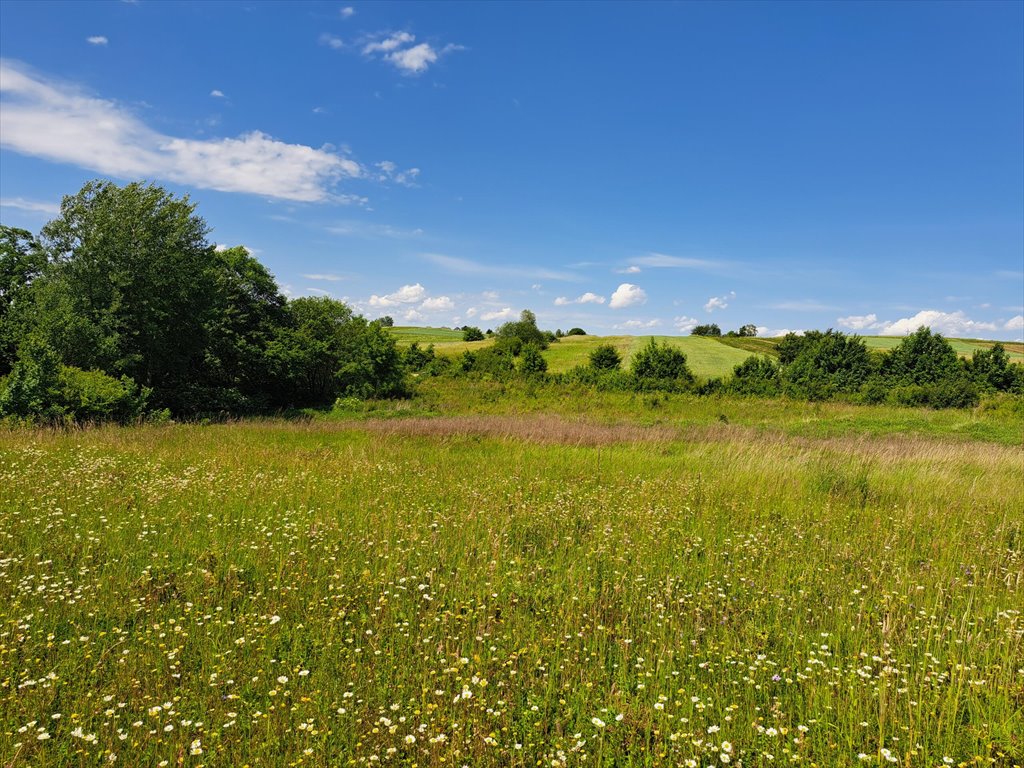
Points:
(629, 168)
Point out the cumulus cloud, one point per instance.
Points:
(859, 322)
(772, 333)
(627, 295)
(586, 298)
(438, 304)
(1015, 323)
(57, 122)
(947, 323)
(506, 313)
(217, 94)
(347, 12)
(97, 40)
(401, 50)
(407, 294)
(685, 324)
(719, 302)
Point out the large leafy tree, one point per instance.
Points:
(130, 287)
(22, 261)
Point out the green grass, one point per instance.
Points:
(963, 347)
(706, 357)
(406, 335)
(639, 582)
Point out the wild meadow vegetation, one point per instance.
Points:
(237, 529)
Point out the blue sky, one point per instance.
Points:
(628, 168)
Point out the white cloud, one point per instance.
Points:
(347, 12)
(638, 325)
(389, 172)
(397, 49)
(371, 231)
(674, 262)
(802, 305)
(407, 294)
(586, 298)
(59, 123)
(97, 40)
(719, 302)
(685, 324)
(332, 41)
(630, 270)
(502, 314)
(947, 323)
(627, 295)
(438, 304)
(471, 312)
(217, 94)
(859, 322)
(772, 333)
(1014, 324)
(491, 295)
(328, 277)
(413, 316)
(32, 206)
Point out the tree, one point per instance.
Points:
(130, 286)
(819, 365)
(661, 366)
(22, 261)
(605, 357)
(531, 361)
(471, 333)
(756, 376)
(575, 332)
(991, 368)
(386, 322)
(246, 313)
(711, 329)
(922, 358)
(749, 330)
(525, 329)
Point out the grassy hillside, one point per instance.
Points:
(508, 591)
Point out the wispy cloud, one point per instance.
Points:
(97, 40)
(388, 171)
(58, 122)
(662, 260)
(638, 325)
(347, 12)
(32, 206)
(802, 305)
(371, 231)
(401, 50)
(627, 295)
(331, 41)
(331, 278)
(468, 267)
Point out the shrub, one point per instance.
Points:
(755, 376)
(95, 396)
(661, 366)
(575, 332)
(525, 329)
(711, 329)
(605, 357)
(531, 361)
(472, 333)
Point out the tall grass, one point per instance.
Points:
(436, 593)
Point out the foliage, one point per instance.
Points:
(820, 365)
(661, 366)
(575, 332)
(415, 358)
(22, 261)
(386, 322)
(472, 333)
(710, 329)
(525, 330)
(756, 376)
(605, 357)
(922, 357)
(531, 361)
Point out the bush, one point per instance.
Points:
(531, 361)
(755, 376)
(711, 329)
(525, 329)
(661, 366)
(605, 357)
(472, 333)
(575, 332)
(95, 396)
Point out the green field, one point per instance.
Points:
(707, 357)
(521, 579)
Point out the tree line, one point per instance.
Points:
(121, 309)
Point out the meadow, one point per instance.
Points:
(510, 577)
(707, 357)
